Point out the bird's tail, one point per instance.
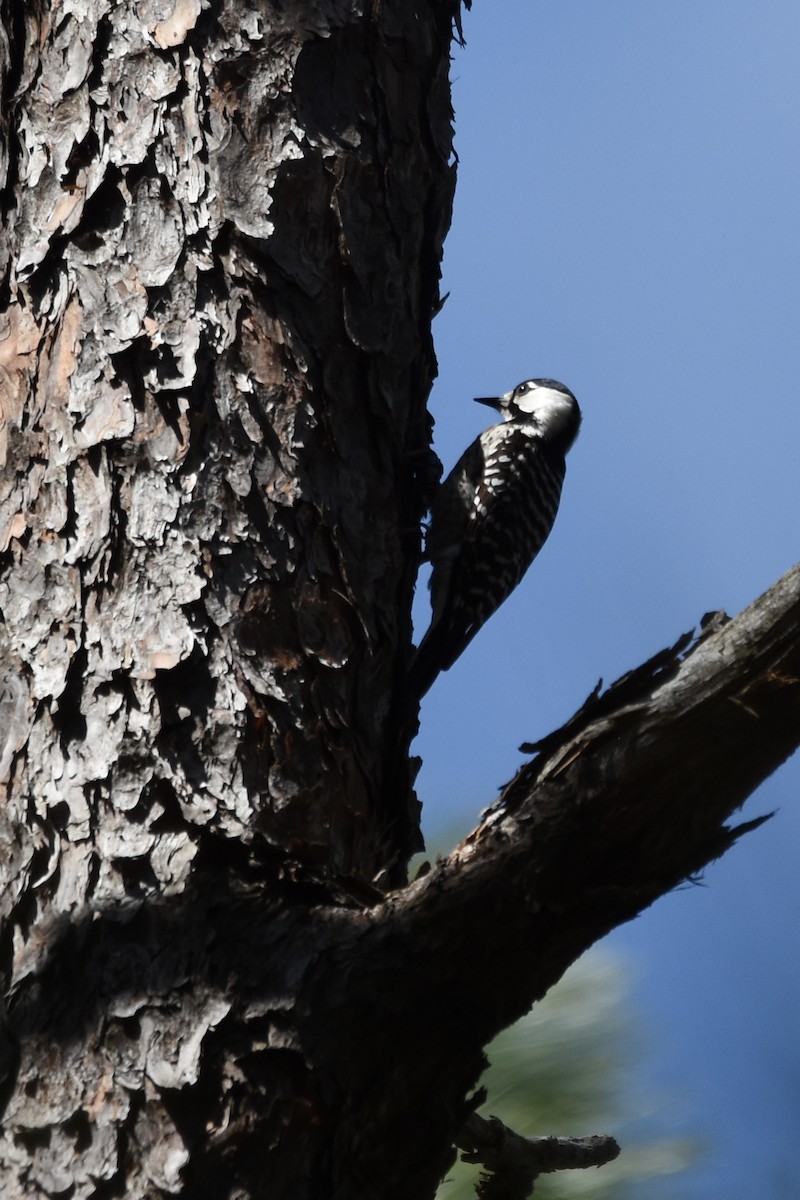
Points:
(444, 642)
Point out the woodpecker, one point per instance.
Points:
(492, 515)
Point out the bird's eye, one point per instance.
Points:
(523, 388)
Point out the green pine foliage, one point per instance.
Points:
(565, 1069)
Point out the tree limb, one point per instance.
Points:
(513, 1163)
(626, 801)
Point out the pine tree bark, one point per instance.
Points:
(221, 232)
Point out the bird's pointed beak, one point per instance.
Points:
(498, 402)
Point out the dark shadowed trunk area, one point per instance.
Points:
(221, 226)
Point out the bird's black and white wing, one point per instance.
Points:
(492, 516)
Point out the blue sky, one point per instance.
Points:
(626, 220)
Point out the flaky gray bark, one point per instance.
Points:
(220, 245)
(221, 229)
(217, 351)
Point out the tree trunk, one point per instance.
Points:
(221, 232)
